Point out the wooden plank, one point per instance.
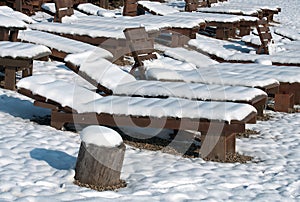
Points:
(10, 78)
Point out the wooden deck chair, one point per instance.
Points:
(218, 122)
(141, 46)
(63, 8)
(265, 36)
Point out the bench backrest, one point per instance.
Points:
(141, 46)
(63, 8)
(130, 8)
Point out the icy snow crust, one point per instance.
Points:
(83, 100)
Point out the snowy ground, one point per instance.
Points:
(37, 161)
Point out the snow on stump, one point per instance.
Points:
(100, 159)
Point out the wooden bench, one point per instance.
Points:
(217, 136)
(11, 63)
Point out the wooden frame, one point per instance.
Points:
(218, 138)
(265, 36)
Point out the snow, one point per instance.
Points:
(95, 10)
(85, 101)
(195, 91)
(10, 22)
(22, 50)
(7, 11)
(37, 162)
(158, 7)
(212, 17)
(101, 136)
(190, 56)
(78, 29)
(112, 77)
(211, 75)
(60, 43)
(233, 51)
(289, 33)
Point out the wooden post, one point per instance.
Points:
(99, 164)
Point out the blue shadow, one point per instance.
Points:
(56, 159)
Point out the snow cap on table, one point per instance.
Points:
(10, 22)
(60, 43)
(101, 136)
(22, 50)
(101, 70)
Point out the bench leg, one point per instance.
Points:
(216, 147)
(284, 102)
(27, 71)
(10, 78)
(58, 121)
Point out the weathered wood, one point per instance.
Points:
(141, 47)
(284, 102)
(291, 88)
(264, 36)
(130, 8)
(63, 8)
(100, 166)
(191, 5)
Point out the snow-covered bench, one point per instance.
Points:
(60, 46)
(92, 9)
(225, 24)
(258, 75)
(243, 8)
(217, 121)
(110, 79)
(16, 56)
(234, 52)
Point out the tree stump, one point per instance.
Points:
(100, 157)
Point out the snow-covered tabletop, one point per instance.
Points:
(7, 11)
(231, 51)
(92, 9)
(79, 29)
(22, 50)
(60, 43)
(11, 22)
(158, 8)
(84, 100)
(213, 17)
